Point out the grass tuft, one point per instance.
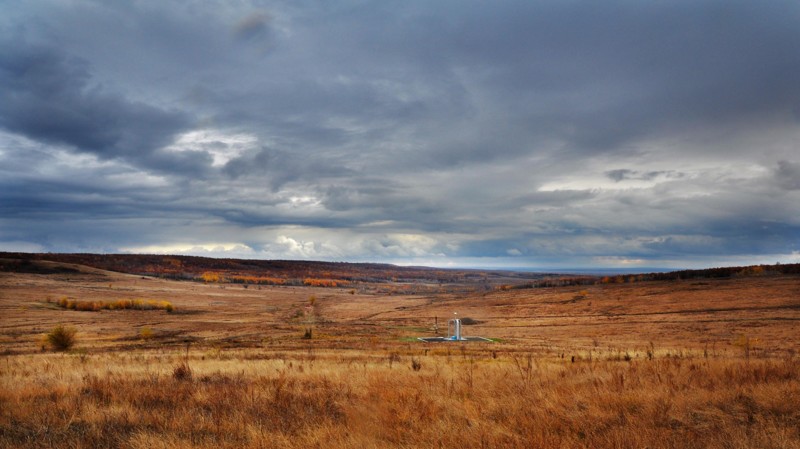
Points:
(182, 372)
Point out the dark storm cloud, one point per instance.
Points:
(543, 130)
(788, 175)
(47, 96)
(593, 76)
(620, 71)
(557, 197)
(403, 205)
(279, 167)
(624, 174)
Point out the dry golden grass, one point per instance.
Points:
(689, 364)
(257, 398)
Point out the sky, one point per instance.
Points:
(471, 133)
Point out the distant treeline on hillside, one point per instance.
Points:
(268, 272)
(708, 273)
(727, 272)
(345, 274)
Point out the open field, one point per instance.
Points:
(693, 363)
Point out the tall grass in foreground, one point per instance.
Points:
(357, 399)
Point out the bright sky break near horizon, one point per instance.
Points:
(470, 133)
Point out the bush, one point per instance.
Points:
(182, 372)
(62, 338)
(120, 304)
(145, 333)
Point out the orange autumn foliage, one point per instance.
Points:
(320, 282)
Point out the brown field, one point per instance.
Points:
(669, 364)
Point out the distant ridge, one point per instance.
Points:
(283, 272)
(301, 272)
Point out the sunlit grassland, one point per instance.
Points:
(658, 365)
(460, 397)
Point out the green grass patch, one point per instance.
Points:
(408, 339)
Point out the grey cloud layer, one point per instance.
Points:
(47, 97)
(534, 131)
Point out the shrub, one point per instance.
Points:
(62, 338)
(145, 333)
(120, 304)
(182, 372)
